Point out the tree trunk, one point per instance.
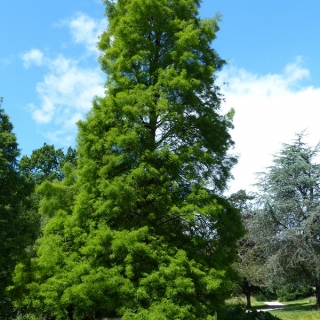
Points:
(248, 296)
(246, 289)
(91, 317)
(318, 296)
(70, 310)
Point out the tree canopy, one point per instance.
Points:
(18, 222)
(143, 229)
(287, 221)
(46, 163)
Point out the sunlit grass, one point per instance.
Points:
(302, 302)
(299, 310)
(295, 310)
(297, 314)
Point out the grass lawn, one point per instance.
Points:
(298, 310)
(295, 310)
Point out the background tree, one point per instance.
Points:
(251, 259)
(287, 223)
(43, 165)
(56, 201)
(46, 163)
(18, 221)
(149, 232)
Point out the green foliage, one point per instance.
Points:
(28, 317)
(19, 223)
(291, 293)
(265, 294)
(141, 229)
(239, 313)
(57, 199)
(46, 163)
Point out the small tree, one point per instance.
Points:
(287, 222)
(149, 232)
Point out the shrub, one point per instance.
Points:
(291, 292)
(265, 295)
(239, 313)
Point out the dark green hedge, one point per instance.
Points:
(239, 313)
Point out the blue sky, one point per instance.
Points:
(49, 72)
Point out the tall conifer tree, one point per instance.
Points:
(149, 235)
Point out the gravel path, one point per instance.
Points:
(272, 305)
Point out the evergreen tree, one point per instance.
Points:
(18, 220)
(286, 223)
(147, 233)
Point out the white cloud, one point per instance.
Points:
(61, 137)
(270, 109)
(86, 30)
(66, 92)
(69, 85)
(33, 56)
